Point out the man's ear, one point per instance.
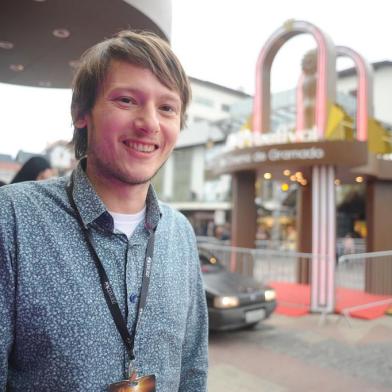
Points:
(81, 122)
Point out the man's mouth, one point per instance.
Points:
(141, 147)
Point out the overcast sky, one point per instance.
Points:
(218, 41)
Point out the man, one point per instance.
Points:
(85, 293)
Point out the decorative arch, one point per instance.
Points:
(325, 67)
(364, 93)
(365, 109)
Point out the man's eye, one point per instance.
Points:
(126, 100)
(168, 108)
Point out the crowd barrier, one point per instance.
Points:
(265, 265)
(269, 265)
(351, 273)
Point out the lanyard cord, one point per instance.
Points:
(107, 289)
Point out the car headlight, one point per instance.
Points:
(226, 302)
(269, 295)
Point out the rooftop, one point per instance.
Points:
(376, 66)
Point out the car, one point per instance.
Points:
(234, 301)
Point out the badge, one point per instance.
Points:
(141, 384)
(134, 384)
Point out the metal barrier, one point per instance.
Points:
(351, 269)
(288, 245)
(351, 273)
(345, 246)
(264, 265)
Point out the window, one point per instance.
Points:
(203, 101)
(182, 174)
(225, 107)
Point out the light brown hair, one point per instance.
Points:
(142, 49)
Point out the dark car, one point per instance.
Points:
(234, 301)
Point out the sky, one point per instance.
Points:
(218, 41)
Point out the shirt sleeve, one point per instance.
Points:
(7, 290)
(194, 363)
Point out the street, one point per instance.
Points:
(303, 354)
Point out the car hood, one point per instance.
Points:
(229, 283)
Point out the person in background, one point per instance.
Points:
(348, 244)
(99, 281)
(34, 169)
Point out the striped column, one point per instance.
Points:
(323, 239)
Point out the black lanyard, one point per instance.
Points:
(107, 289)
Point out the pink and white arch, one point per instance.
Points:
(325, 81)
(364, 93)
(365, 108)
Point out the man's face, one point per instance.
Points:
(133, 126)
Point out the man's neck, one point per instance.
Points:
(118, 196)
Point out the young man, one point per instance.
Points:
(96, 276)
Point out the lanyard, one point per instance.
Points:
(107, 289)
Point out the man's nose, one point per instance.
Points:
(147, 119)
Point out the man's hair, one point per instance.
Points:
(141, 49)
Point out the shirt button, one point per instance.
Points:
(133, 298)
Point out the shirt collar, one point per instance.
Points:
(153, 211)
(93, 210)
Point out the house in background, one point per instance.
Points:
(61, 156)
(382, 79)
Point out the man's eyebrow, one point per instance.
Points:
(174, 96)
(126, 89)
(171, 97)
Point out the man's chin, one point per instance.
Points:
(134, 180)
(125, 175)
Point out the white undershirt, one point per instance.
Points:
(126, 223)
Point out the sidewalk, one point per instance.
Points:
(300, 354)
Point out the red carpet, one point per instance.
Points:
(294, 300)
(347, 298)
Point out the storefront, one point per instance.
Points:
(321, 152)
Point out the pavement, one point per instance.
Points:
(304, 354)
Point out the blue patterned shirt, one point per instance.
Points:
(56, 331)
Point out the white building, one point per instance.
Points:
(382, 82)
(211, 102)
(61, 156)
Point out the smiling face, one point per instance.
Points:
(132, 127)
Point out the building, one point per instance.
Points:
(211, 102)
(382, 79)
(61, 156)
(325, 147)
